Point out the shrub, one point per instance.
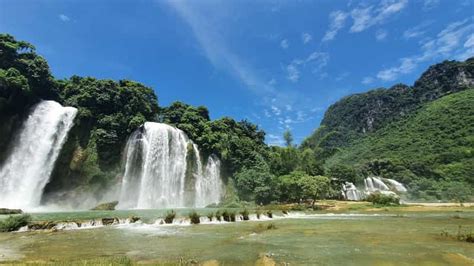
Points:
(262, 227)
(13, 223)
(382, 199)
(271, 226)
(218, 216)
(194, 217)
(170, 217)
(232, 216)
(270, 214)
(462, 235)
(258, 213)
(226, 215)
(245, 215)
(210, 216)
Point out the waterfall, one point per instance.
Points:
(163, 169)
(208, 183)
(372, 184)
(28, 167)
(350, 191)
(399, 187)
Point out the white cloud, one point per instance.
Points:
(342, 76)
(449, 43)
(215, 48)
(275, 140)
(316, 61)
(469, 42)
(306, 37)
(417, 31)
(284, 44)
(337, 20)
(362, 19)
(430, 4)
(406, 66)
(367, 80)
(381, 35)
(293, 72)
(64, 18)
(276, 111)
(366, 17)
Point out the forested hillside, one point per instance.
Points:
(420, 135)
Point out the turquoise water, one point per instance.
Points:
(325, 239)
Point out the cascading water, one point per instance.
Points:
(372, 184)
(27, 169)
(163, 169)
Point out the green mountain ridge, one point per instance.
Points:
(422, 135)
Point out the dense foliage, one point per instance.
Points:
(431, 150)
(360, 114)
(419, 135)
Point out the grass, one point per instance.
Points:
(14, 222)
(259, 228)
(461, 235)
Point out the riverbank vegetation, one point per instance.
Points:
(14, 222)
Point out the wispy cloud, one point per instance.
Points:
(293, 72)
(363, 17)
(64, 18)
(430, 4)
(366, 17)
(367, 80)
(306, 37)
(284, 44)
(406, 66)
(337, 20)
(381, 35)
(275, 140)
(448, 43)
(216, 50)
(417, 31)
(316, 61)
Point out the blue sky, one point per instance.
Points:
(279, 64)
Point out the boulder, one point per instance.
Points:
(108, 206)
(10, 211)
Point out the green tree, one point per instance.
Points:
(315, 187)
(288, 137)
(343, 173)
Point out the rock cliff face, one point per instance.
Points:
(357, 115)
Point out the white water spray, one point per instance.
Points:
(27, 169)
(157, 174)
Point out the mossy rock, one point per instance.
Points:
(10, 211)
(108, 206)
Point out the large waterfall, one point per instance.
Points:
(34, 151)
(163, 169)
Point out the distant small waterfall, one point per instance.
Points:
(372, 184)
(28, 167)
(163, 169)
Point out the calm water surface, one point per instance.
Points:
(321, 239)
